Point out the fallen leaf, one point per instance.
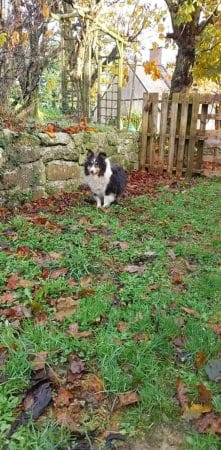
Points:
(215, 328)
(65, 306)
(205, 395)
(39, 360)
(190, 312)
(209, 423)
(196, 409)
(122, 326)
(129, 398)
(13, 281)
(16, 312)
(55, 255)
(177, 276)
(84, 220)
(80, 334)
(85, 292)
(73, 328)
(122, 244)
(132, 268)
(7, 297)
(138, 337)
(25, 283)
(147, 256)
(213, 370)
(171, 254)
(200, 359)
(3, 356)
(179, 341)
(55, 274)
(63, 398)
(86, 281)
(38, 399)
(76, 368)
(4, 246)
(153, 287)
(182, 395)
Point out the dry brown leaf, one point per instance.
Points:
(201, 358)
(205, 395)
(13, 281)
(122, 326)
(80, 334)
(63, 398)
(177, 276)
(3, 356)
(86, 281)
(153, 287)
(182, 395)
(39, 360)
(138, 337)
(55, 255)
(84, 220)
(216, 328)
(129, 398)
(65, 306)
(133, 268)
(54, 274)
(190, 312)
(209, 423)
(171, 254)
(76, 368)
(7, 297)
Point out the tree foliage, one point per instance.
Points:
(193, 23)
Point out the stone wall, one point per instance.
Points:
(38, 165)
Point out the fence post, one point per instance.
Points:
(163, 129)
(172, 138)
(154, 98)
(145, 122)
(182, 133)
(192, 138)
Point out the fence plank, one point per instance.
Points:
(163, 129)
(145, 123)
(173, 125)
(192, 140)
(200, 144)
(154, 98)
(182, 133)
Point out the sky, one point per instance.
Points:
(168, 55)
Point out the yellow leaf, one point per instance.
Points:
(45, 11)
(15, 39)
(24, 37)
(49, 33)
(154, 46)
(161, 28)
(3, 39)
(197, 408)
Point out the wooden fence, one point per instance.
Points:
(174, 131)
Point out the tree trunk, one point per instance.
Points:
(182, 77)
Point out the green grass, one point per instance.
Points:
(186, 221)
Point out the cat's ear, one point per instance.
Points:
(90, 154)
(102, 154)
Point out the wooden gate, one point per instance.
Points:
(174, 131)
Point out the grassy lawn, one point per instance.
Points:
(142, 280)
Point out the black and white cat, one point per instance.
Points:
(106, 180)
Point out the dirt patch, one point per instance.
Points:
(163, 437)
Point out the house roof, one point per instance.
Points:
(150, 85)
